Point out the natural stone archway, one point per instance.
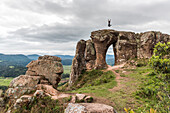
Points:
(91, 54)
(102, 40)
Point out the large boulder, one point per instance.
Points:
(49, 67)
(21, 85)
(88, 108)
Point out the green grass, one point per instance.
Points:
(125, 96)
(67, 69)
(11, 67)
(5, 81)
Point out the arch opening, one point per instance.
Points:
(110, 56)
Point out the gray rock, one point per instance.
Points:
(88, 108)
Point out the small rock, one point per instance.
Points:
(80, 97)
(88, 99)
(39, 93)
(73, 99)
(48, 89)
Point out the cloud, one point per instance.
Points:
(55, 26)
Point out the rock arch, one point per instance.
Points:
(91, 54)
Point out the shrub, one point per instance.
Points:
(157, 87)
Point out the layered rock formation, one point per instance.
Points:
(126, 45)
(41, 80)
(42, 76)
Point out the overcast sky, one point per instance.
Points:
(55, 26)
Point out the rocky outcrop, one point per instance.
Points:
(42, 77)
(126, 45)
(88, 108)
(48, 67)
(90, 55)
(147, 42)
(78, 63)
(102, 39)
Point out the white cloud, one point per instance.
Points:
(55, 26)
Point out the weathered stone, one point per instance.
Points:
(78, 63)
(21, 85)
(126, 45)
(88, 108)
(102, 39)
(47, 89)
(80, 97)
(90, 55)
(25, 81)
(25, 99)
(39, 93)
(147, 42)
(90, 52)
(60, 96)
(49, 67)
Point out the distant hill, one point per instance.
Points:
(63, 57)
(13, 65)
(33, 56)
(19, 60)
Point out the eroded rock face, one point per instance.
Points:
(21, 85)
(49, 67)
(147, 42)
(90, 55)
(43, 74)
(78, 63)
(102, 39)
(126, 45)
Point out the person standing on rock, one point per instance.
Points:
(109, 23)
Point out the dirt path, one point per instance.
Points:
(119, 79)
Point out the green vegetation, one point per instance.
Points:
(157, 88)
(94, 78)
(12, 71)
(42, 105)
(123, 97)
(67, 69)
(4, 83)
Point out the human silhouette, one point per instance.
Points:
(109, 23)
